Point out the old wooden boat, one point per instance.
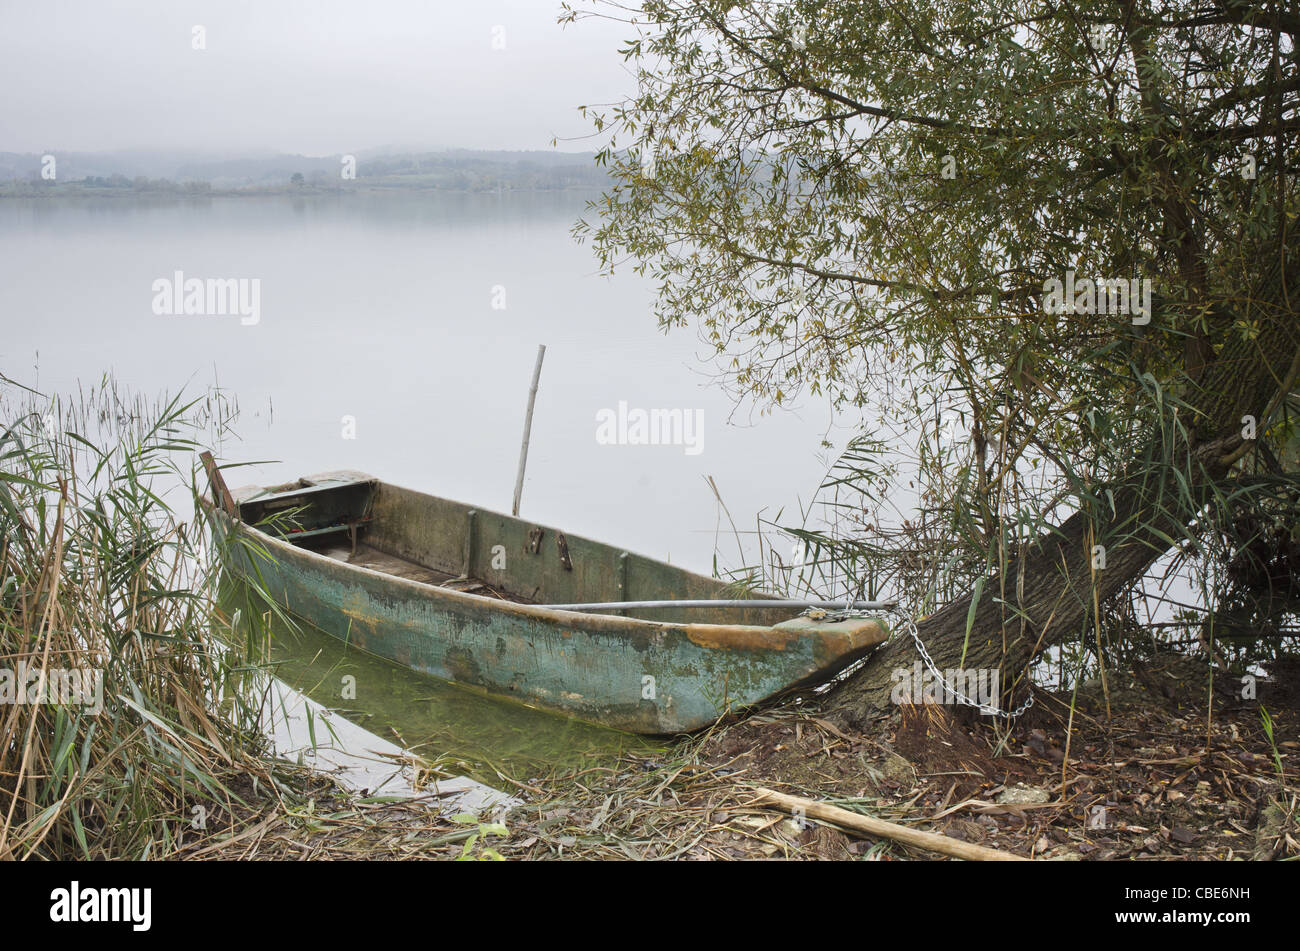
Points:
(468, 595)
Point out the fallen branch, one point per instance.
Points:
(931, 841)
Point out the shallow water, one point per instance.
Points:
(304, 731)
(467, 731)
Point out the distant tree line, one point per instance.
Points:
(140, 183)
(462, 171)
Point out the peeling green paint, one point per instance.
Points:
(583, 665)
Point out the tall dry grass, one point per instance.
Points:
(99, 575)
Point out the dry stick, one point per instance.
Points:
(735, 532)
(931, 841)
(528, 428)
(1096, 612)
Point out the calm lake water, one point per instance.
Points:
(386, 309)
(380, 307)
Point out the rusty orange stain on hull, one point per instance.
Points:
(737, 637)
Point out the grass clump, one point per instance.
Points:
(128, 727)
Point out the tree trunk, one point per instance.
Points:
(1056, 603)
(1057, 599)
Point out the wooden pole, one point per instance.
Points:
(220, 494)
(931, 841)
(528, 428)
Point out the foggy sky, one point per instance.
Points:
(316, 77)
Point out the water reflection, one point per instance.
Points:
(459, 729)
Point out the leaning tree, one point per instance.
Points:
(1071, 223)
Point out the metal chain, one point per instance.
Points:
(982, 707)
(910, 622)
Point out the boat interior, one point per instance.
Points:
(355, 518)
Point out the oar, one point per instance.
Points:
(735, 603)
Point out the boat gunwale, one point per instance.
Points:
(744, 636)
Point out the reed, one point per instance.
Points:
(129, 726)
